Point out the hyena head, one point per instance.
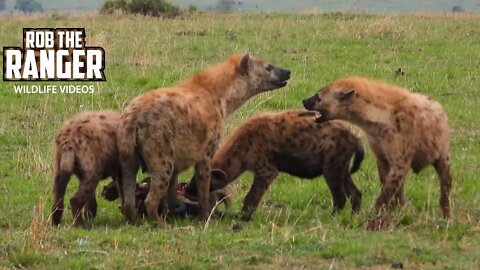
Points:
(219, 187)
(333, 102)
(261, 75)
(218, 180)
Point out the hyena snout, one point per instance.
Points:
(313, 104)
(281, 76)
(310, 103)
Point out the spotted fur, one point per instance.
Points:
(293, 143)
(85, 146)
(405, 130)
(172, 129)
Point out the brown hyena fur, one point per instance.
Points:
(293, 143)
(405, 130)
(171, 129)
(85, 146)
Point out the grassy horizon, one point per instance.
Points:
(294, 229)
(301, 6)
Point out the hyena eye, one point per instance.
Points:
(269, 68)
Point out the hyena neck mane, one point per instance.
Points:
(373, 118)
(223, 82)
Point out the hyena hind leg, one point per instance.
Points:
(260, 185)
(127, 180)
(60, 183)
(86, 190)
(335, 181)
(353, 193)
(442, 167)
(160, 166)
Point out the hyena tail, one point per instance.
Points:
(126, 138)
(67, 161)
(64, 170)
(129, 162)
(358, 158)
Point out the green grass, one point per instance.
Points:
(440, 55)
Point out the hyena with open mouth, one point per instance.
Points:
(405, 130)
(172, 129)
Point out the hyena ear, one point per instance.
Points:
(346, 95)
(244, 65)
(218, 175)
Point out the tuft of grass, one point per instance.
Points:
(38, 234)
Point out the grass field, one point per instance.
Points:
(440, 56)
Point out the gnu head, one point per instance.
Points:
(262, 75)
(110, 192)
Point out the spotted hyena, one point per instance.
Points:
(290, 142)
(171, 129)
(405, 130)
(85, 146)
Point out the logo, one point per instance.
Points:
(53, 54)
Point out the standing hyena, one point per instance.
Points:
(87, 147)
(289, 142)
(405, 130)
(171, 129)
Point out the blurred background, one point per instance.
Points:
(306, 6)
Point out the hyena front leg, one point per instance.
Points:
(383, 167)
(202, 177)
(263, 177)
(172, 194)
(442, 167)
(393, 185)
